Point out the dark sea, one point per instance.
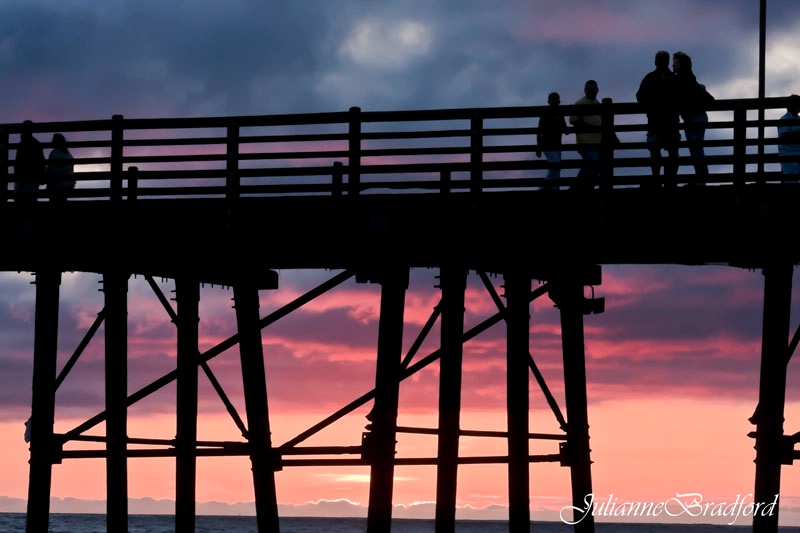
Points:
(92, 523)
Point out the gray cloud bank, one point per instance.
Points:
(72, 60)
(327, 508)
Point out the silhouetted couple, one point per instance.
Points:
(31, 170)
(668, 96)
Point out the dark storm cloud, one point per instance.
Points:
(150, 58)
(72, 60)
(687, 303)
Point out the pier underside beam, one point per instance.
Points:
(187, 294)
(115, 289)
(42, 443)
(517, 291)
(381, 439)
(770, 450)
(255, 395)
(453, 284)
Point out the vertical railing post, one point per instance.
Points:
(607, 145)
(115, 290)
(43, 446)
(337, 179)
(117, 140)
(262, 455)
(387, 387)
(453, 284)
(770, 451)
(476, 154)
(762, 66)
(739, 143)
(517, 291)
(354, 147)
(4, 159)
(445, 181)
(232, 179)
(133, 183)
(187, 295)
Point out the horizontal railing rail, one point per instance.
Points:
(359, 152)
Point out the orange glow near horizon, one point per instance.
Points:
(647, 450)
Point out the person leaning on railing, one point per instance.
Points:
(789, 136)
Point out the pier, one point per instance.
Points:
(369, 196)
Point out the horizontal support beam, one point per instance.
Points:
(480, 433)
(401, 461)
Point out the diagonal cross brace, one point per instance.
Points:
(209, 354)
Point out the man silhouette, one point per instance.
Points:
(552, 127)
(29, 165)
(657, 93)
(588, 135)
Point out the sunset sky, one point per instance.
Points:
(672, 364)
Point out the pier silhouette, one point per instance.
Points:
(370, 196)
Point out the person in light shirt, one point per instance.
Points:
(587, 133)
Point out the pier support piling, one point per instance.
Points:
(115, 289)
(576, 449)
(187, 295)
(43, 445)
(262, 456)
(517, 292)
(770, 452)
(453, 284)
(383, 417)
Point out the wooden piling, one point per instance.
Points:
(187, 295)
(42, 443)
(517, 290)
(384, 413)
(453, 285)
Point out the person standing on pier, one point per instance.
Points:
(588, 135)
(552, 127)
(657, 92)
(789, 136)
(60, 169)
(692, 100)
(29, 165)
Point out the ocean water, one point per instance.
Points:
(92, 523)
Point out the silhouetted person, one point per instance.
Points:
(692, 100)
(60, 169)
(552, 126)
(29, 165)
(588, 135)
(657, 92)
(789, 135)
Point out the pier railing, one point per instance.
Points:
(372, 152)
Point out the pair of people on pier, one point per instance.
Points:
(667, 96)
(31, 169)
(553, 126)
